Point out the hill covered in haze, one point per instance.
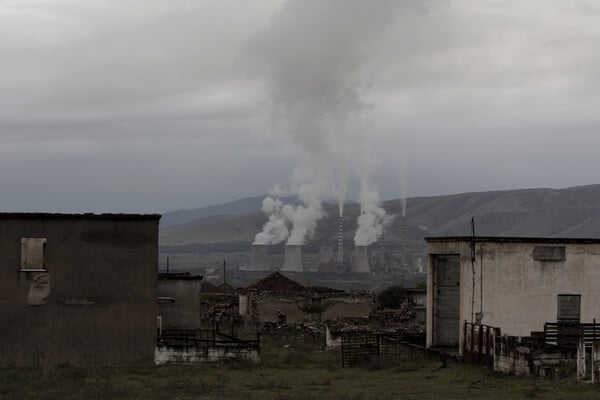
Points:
(571, 212)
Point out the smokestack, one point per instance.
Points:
(259, 260)
(360, 263)
(403, 244)
(326, 259)
(292, 261)
(340, 249)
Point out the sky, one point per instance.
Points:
(152, 105)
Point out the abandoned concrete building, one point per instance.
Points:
(515, 286)
(277, 296)
(77, 288)
(178, 300)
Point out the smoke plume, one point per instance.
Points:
(372, 219)
(311, 52)
(275, 229)
(403, 186)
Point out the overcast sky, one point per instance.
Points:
(153, 105)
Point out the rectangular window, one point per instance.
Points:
(549, 253)
(569, 308)
(33, 254)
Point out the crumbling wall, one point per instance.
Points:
(301, 307)
(190, 355)
(526, 355)
(347, 307)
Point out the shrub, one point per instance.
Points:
(393, 297)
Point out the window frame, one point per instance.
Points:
(25, 252)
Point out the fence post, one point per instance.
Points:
(465, 338)
(480, 342)
(343, 342)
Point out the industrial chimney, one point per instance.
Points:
(340, 249)
(259, 260)
(292, 260)
(404, 261)
(360, 264)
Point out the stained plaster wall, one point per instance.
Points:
(184, 310)
(267, 305)
(98, 306)
(515, 292)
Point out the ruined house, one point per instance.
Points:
(77, 288)
(178, 300)
(513, 285)
(277, 298)
(218, 304)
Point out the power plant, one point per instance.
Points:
(377, 257)
(360, 263)
(292, 260)
(326, 259)
(259, 258)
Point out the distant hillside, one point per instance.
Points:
(571, 212)
(238, 207)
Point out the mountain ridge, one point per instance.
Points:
(571, 212)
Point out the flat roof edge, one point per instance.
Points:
(82, 216)
(511, 239)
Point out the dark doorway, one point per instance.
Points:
(446, 300)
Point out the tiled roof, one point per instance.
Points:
(277, 282)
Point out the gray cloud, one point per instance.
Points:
(476, 95)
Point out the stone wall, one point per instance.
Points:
(301, 307)
(188, 355)
(526, 355)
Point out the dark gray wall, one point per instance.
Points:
(101, 306)
(184, 312)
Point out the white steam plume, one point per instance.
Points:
(312, 51)
(403, 186)
(342, 187)
(372, 219)
(275, 229)
(304, 217)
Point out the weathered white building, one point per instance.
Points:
(514, 283)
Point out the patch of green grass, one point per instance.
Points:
(286, 374)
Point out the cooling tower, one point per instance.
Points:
(259, 260)
(292, 261)
(360, 264)
(326, 259)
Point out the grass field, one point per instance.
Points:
(286, 374)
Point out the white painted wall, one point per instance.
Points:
(519, 293)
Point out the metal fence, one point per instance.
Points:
(362, 348)
(566, 335)
(479, 343)
(199, 338)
